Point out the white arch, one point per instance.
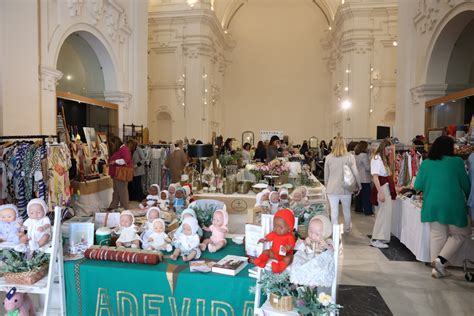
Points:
(232, 8)
(113, 74)
(442, 42)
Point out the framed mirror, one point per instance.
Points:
(313, 142)
(248, 137)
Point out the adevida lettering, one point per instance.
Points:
(158, 305)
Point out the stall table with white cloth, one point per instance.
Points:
(415, 235)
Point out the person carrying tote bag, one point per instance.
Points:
(121, 171)
(342, 180)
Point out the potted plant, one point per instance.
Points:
(309, 303)
(280, 290)
(24, 268)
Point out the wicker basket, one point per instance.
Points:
(281, 303)
(29, 277)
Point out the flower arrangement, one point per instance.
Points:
(275, 168)
(309, 303)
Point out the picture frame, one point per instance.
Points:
(102, 137)
(434, 133)
(91, 137)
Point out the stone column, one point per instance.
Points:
(48, 111)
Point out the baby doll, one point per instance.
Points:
(179, 201)
(319, 231)
(315, 254)
(262, 199)
(189, 212)
(274, 200)
(127, 231)
(172, 191)
(38, 226)
(163, 202)
(284, 202)
(10, 224)
(189, 193)
(219, 229)
(297, 199)
(187, 243)
(159, 240)
(153, 196)
(152, 214)
(283, 242)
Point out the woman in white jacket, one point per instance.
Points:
(334, 181)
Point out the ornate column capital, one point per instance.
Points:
(427, 92)
(119, 97)
(49, 78)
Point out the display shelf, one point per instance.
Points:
(39, 287)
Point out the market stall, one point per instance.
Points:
(415, 235)
(168, 288)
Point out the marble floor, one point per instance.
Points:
(406, 286)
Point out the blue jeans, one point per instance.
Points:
(363, 199)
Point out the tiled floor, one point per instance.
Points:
(406, 287)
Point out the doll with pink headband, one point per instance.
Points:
(219, 229)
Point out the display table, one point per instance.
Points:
(415, 235)
(235, 203)
(92, 195)
(169, 288)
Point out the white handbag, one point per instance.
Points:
(349, 180)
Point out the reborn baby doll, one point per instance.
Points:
(274, 199)
(153, 196)
(219, 229)
(283, 242)
(163, 202)
(297, 199)
(152, 214)
(262, 199)
(284, 202)
(10, 224)
(159, 240)
(179, 201)
(189, 212)
(187, 243)
(127, 231)
(315, 254)
(171, 191)
(38, 226)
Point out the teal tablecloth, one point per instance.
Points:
(169, 288)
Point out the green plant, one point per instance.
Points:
(204, 214)
(305, 213)
(277, 283)
(309, 303)
(22, 262)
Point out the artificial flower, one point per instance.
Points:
(324, 299)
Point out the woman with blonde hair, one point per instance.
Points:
(334, 181)
(383, 192)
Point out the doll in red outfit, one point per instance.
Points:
(283, 242)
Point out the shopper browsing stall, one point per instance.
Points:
(120, 157)
(363, 167)
(383, 193)
(445, 185)
(334, 180)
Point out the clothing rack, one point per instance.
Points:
(43, 137)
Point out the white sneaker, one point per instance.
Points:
(378, 244)
(435, 274)
(440, 268)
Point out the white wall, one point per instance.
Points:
(19, 67)
(30, 49)
(277, 79)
